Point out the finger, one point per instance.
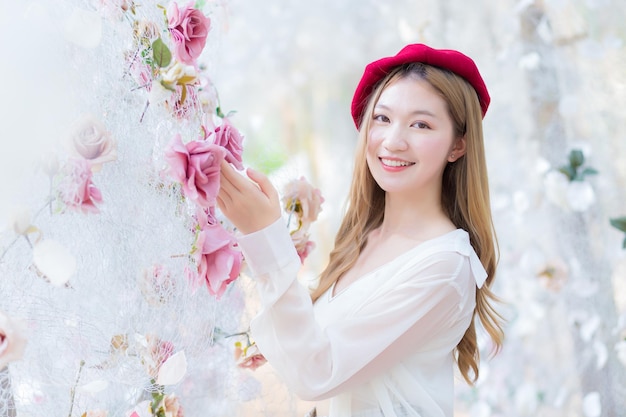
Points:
(263, 182)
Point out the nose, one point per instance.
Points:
(395, 139)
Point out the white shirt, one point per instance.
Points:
(383, 347)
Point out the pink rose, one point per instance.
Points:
(12, 341)
(301, 198)
(228, 137)
(303, 245)
(217, 255)
(197, 167)
(76, 190)
(93, 142)
(189, 29)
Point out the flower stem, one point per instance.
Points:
(73, 390)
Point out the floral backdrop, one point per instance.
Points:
(122, 290)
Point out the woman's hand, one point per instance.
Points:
(249, 205)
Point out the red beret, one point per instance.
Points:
(454, 61)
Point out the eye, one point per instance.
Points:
(381, 118)
(420, 125)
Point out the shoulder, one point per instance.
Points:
(449, 256)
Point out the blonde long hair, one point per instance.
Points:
(465, 200)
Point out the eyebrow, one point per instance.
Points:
(414, 112)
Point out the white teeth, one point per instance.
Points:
(395, 163)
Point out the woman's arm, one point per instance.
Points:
(423, 307)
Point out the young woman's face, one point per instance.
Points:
(411, 138)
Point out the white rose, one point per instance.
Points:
(93, 142)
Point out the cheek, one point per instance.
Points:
(371, 150)
(436, 148)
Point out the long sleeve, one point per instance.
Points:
(420, 307)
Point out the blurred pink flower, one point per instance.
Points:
(93, 142)
(114, 8)
(155, 353)
(217, 255)
(303, 245)
(197, 167)
(249, 357)
(171, 406)
(12, 341)
(76, 190)
(228, 137)
(189, 28)
(302, 198)
(156, 284)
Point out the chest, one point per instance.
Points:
(373, 257)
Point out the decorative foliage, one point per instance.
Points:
(567, 187)
(620, 224)
(172, 79)
(574, 169)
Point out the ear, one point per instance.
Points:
(458, 149)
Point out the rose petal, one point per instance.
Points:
(55, 261)
(173, 370)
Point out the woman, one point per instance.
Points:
(414, 256)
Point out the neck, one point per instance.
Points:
(416, 217)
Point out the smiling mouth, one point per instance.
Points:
(395, 163)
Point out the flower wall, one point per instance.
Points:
(119, 286)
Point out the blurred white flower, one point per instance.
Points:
(20, 220)
(530, 61)
(480, 409)
(526, 400)
(591, 405)
(84, 28)
(602, 354)
(580, 195)
(556, 185)
(620, 348)
(54, 261)
(566, 194)
(179, 73)
(589, 326)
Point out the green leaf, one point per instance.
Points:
(589, 171)
(219, 113)
(568, 171)
(619, 223)
(161, 53)
(576, 158)
(200, 4)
